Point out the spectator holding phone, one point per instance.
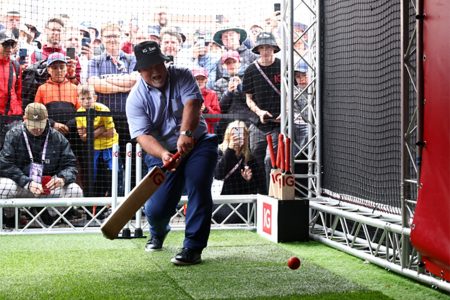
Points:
(236, 165)
(53, 30)
(232, 38)
(229, 87)
(26, 48)
(237, 168)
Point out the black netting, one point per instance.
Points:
(361, 139)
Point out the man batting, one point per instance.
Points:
(163, 112)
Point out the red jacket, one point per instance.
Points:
(211, 107)
(15, 106)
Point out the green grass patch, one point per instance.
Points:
(237, 265)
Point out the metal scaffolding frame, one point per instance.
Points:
(379, 238)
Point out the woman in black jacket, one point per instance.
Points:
(237, 168)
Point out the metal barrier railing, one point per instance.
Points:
(86, 214)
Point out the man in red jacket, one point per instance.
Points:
(210, 101)
(10, 79)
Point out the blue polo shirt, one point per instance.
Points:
(152, 112)
(103, 66)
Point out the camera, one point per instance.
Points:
(239, 133)
(201, 41)
(276, 7)
(97, 50)
(70, 52)
(86, 42)
(23, 52)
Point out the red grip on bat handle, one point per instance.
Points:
(272, 153)
(281, 151)
(280, 156)
(288, 155)
(169, 164)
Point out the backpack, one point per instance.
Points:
(32, 77)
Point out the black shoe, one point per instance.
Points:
(187, 257)
(154, 244)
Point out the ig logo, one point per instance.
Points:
(158, 178)
(267, 218)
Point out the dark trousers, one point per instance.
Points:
(194, 175)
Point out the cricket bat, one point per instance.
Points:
(280, 177)
(273, 163)
(287, 181)
(277, 172)
(136, 199)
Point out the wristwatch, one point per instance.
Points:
(186, 133)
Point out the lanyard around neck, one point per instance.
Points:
(44, 150)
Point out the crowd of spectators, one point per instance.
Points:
(93, 66)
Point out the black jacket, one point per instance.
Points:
(15, 160)
(235, 184)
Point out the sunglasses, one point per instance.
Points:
(7, 44)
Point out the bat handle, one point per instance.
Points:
(280, 154)
(288, 155)
(169, 164)
(281, 147)
(272, 153)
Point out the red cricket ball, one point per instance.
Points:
(294, 263)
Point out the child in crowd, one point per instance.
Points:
(105, 136)
(210, 101)
(58, 94)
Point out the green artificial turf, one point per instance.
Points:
(237, 265)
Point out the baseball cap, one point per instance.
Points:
(200, 72)
(148, 54)
(301, 67)
(56, 56)
(152, 30)
(6, 35)
(36, 116)
(230, 54)
(300, 26)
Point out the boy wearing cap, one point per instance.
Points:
(163, 111)
(10, 78)
(32, 151)
(58, 94)
(54, 28)
(300, 103)
(210, 102)
(261, 84)
(232, 99)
